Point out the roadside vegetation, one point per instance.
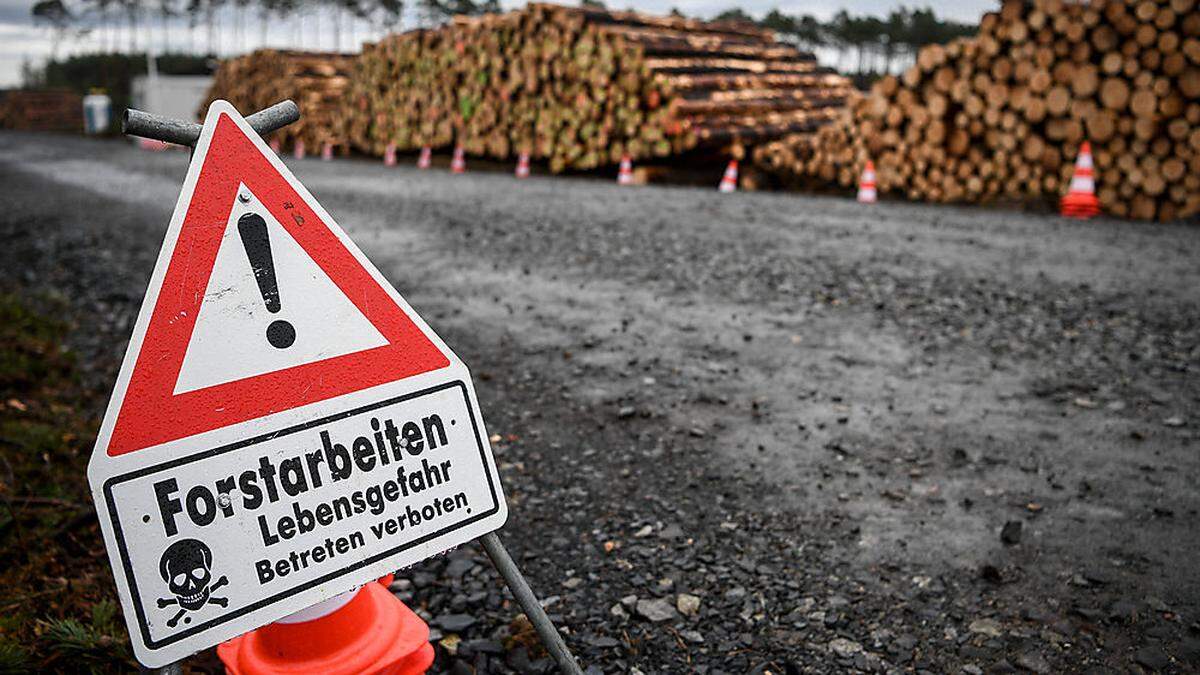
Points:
(58, 609)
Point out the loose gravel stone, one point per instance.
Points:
(687, 604)
(844, 648)
(1152, 657)
(1010, 534)
(1034, 662)
(989, 627)
(454, 622)
(656, 610)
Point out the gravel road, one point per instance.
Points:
(753, 432)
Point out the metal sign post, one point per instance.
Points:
(147, 125)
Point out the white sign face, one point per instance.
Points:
(284, 427)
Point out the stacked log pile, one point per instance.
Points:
(316, 81)
(45, 110)
(1002, 115)
(581, 87)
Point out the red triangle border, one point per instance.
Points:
(151, 414)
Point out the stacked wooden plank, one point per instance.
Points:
(41, 110)
(580, 87)
(316, 81)
(1002, 115)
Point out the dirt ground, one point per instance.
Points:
(885, 438)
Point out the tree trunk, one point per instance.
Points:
(337, 27)
(577, 88)
(212, 30)
(1002, 115)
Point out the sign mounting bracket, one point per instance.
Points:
(156, 127)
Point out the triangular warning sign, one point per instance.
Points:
(259, 304)
(284, 428)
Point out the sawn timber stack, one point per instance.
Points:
(1002, 115)
(581, 87)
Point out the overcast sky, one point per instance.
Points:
(21, 41)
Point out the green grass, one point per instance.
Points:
(14, 658)
(31, 351)
(57, 601)
(93, 646)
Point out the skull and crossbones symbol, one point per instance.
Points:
(186, 566)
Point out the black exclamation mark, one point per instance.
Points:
(253, 230)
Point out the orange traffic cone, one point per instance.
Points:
(1080, 200)
(523, 165)
(866, 184)
(459, 163)
(625, 173)
(298, 149)
(363, 631)
(275, 145)
(327, 152)
(389, 155)
(729, 180)
(425, 160)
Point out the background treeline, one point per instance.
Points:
(860, 44)
(225, 27)
(863, 45)
(145, 22)
(112, 73)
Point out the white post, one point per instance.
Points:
(323, 608)
(151, 102)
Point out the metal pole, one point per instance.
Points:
(159, 128)
(165, 129)
(529, 602)
(275, 117)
